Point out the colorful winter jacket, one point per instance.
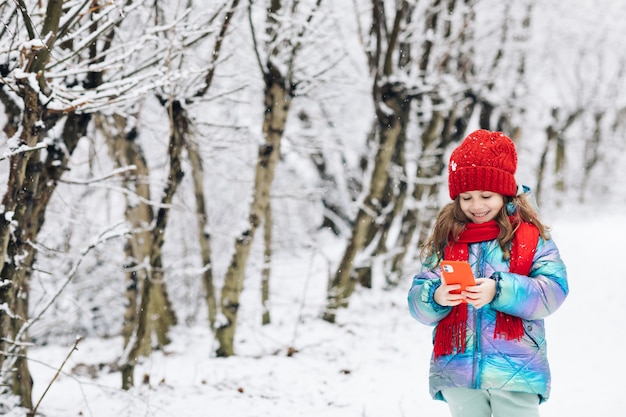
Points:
(489, 363)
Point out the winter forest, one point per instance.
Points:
(195, 170)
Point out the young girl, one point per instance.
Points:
(489, 355)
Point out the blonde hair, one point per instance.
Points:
(451, 222)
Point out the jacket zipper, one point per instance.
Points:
(477, 336)
(477, 323)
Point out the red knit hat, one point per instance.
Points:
(484, 161)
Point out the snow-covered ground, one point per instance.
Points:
(374, 362)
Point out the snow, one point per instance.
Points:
(373, 362)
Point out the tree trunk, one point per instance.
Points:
(555, 134)
(277, 103)
(268, 224)
(592, 153)
(394, 199)
(442, 130)
(428, 168)
(16, 361)
(204, 238)
(132, 350)
(559, 164)
(389, 129)
(148, 311)
(125, 151)
(155, 311)
(29, 189)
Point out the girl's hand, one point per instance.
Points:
(443, 297)
(481, 294)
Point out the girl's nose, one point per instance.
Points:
(476, 204)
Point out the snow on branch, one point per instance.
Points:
(23, 149)
(111, 174)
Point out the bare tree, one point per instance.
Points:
(433, 43)
(580, 83)
(33, 173)
(398, 53)
(392, 102)
(195, 159)
(555, 141)
(601, 118)
(277, 62)
(149, 311)
(64, 72)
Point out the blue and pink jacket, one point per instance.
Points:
(489, 363)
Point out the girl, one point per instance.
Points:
(489, 355)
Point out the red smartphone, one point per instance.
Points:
(458, 272)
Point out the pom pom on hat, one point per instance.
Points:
(484, 161)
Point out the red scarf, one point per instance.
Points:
(450, 335)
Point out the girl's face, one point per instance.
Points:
(481, 206)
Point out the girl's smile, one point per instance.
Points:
(481, 206)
